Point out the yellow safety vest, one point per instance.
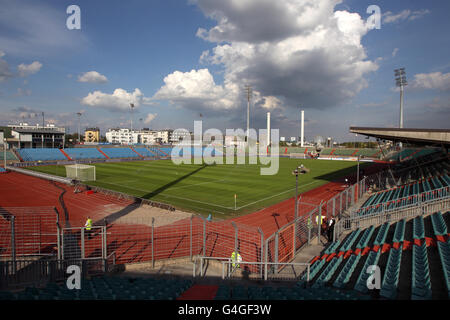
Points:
(321, 219)
(88, 224)
(235, 259)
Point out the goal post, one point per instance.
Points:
(80, 172)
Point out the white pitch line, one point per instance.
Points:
(248, 204)
(195, 184)
(171, 196)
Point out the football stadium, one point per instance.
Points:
(168, 214)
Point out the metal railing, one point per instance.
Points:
(230, 269)
(21, 273)
(391, 215)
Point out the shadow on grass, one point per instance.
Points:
(172, 183)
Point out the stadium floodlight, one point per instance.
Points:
(400, 81)
(79, 125)
(296, 173)
(248, 89)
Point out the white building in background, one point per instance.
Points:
(29, 136)
(145, 136)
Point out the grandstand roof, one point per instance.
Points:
(38, 131)
(407, 135)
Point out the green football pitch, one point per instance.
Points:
(211, 188)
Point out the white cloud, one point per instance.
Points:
(150, 117)
(389, 17)
(5, 73)
(119, 100)
(196, 89)
(29, 69)
(395, 51)
(92, 77)
(301, 52)
(434, 80)
(23, 92)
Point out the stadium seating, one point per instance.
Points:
(297, 292)
(391, 275)
(84, 153)
(144, 152)
(369, 249)
(420, 282)
(405, 195)
(41, 154)
(9, 155)
(444, 254)
(106, 288)
(120, 153)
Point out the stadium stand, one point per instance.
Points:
(144, 152)
(347, 262)
(106, 288)
(84, 153)
(297, 292)
(41, 154)
(120, 153)
(9, 156)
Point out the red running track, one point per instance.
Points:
(132, 243)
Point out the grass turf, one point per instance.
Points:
(211, 189)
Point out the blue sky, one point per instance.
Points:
(178, 59)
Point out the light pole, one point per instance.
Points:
(249, 95)
(79, 125)
(357, 179)
(131, 131)
(296, 173)
(400, 81)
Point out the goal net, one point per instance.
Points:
(81, 172)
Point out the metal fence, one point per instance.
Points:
(35, 232)
(38, 272)
(250, 270)
(283, 245)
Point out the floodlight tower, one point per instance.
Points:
(79, 126)
(248, 89)
(131, 106)
(400, 81)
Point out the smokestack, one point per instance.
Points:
(302, 130)
(268, 128)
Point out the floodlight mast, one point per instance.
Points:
(79, 126)
(400, 81)
(131, 131)
(248, 89)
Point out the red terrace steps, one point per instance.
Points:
(306, 151)
(64, 153)
(332, 151)
(199, 292)
(140, 155)
(163, 152)
(353, 154)
(103, 153)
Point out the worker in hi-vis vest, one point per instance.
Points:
(236, 257)
(88, 227)
(321, 219)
